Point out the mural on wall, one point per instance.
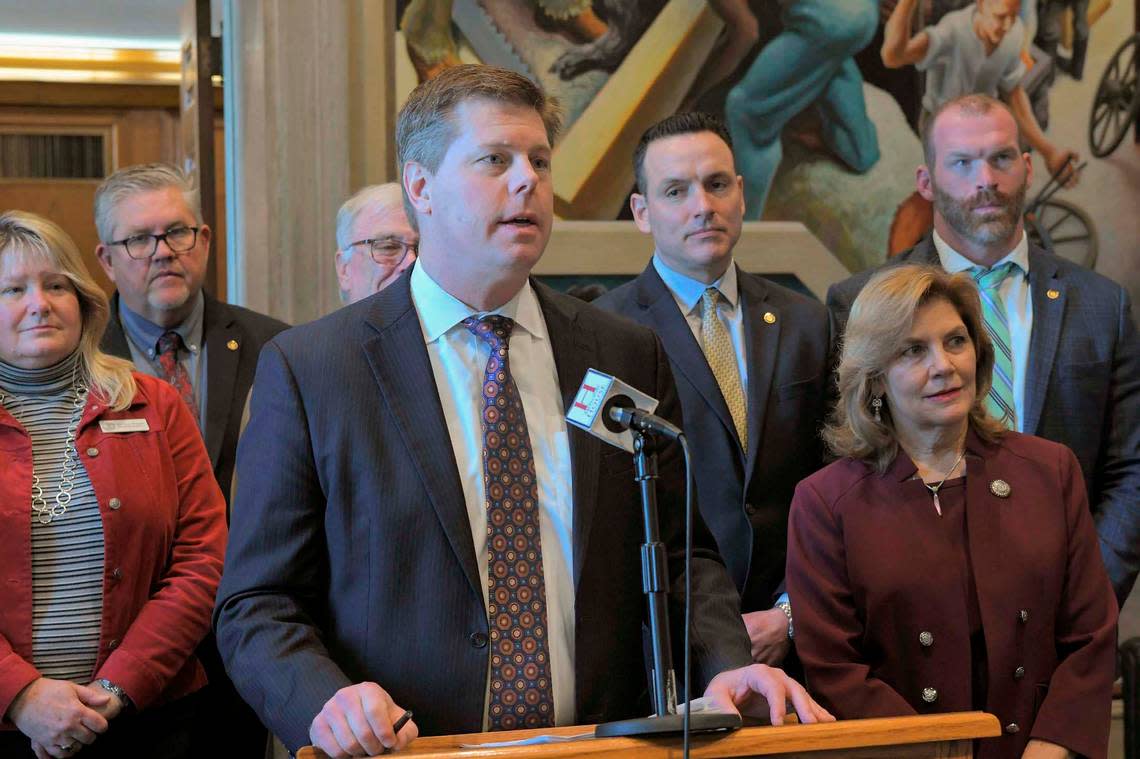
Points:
(564, 45)
(825, 100)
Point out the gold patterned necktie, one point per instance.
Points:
(722, 360)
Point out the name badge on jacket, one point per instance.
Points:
(124, 425)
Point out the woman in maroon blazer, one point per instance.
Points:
(944, 563)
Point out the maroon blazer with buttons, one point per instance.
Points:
(868, 573)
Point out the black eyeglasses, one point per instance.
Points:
(143, 246)
(387, 251)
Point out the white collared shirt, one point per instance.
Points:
(687, 294)
(458, 362)
(1014, 293)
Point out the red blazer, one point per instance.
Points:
(164, 532)
(867, 576)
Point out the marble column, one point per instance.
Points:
(309, 119)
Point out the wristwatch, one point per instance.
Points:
(786, 607)
(110, 687)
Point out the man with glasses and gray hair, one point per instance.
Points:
(375, 243)
(154, 246)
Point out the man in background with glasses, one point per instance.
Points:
(375, 243)
(154, 247)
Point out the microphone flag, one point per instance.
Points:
(590, 409)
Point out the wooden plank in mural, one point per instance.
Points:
(594, 173)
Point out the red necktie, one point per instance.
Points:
(173, 372)
(521, 693)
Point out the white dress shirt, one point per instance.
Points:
(687, 293)
(458, 361)
(1014, 293)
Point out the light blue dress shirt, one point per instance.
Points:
(687, 293)
(142, 338)
(1014, 293)
(458, 362)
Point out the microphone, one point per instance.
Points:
(643, 421)
(608, 408)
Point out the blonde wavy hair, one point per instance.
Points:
(31, 237)
(880, 321)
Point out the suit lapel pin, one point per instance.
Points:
(232, 345)
(769, 317)
(1053, 294)
(1000, 488)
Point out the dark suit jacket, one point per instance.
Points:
(870, 568)
(351, 557)
(744, 495)
(229, 373)
(1082, 389)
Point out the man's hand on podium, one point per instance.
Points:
(357, 721)
(759, 690)
(768, 631)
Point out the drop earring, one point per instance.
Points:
(877, 405)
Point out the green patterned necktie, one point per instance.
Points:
(722, 360)
(1000, 400)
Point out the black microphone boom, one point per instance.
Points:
(636, 419)
(621, 415)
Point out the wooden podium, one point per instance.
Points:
(945, 736)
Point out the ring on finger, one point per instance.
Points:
(67, 747)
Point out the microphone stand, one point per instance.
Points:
(655, 585)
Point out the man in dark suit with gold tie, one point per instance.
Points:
(750, 359)
(417, 527)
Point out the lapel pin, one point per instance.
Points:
(1000, 488)
(232, 345)
(769, 317)
(1053, 294)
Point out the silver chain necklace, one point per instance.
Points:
(935, 488)
(44, 511)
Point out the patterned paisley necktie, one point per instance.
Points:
(521, 692)
(174, 372)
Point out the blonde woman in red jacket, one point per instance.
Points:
(944, 563)
(112, 524)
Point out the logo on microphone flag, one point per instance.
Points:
(589, 406)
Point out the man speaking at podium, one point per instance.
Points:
(394, 546)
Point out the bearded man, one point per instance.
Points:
(1068, 357)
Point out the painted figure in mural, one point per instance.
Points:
(976, 49)
(1049, 34)
(625, 22)
(808, 64)
(936, 9)
(426, 25)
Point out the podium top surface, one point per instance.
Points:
(750, 741)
